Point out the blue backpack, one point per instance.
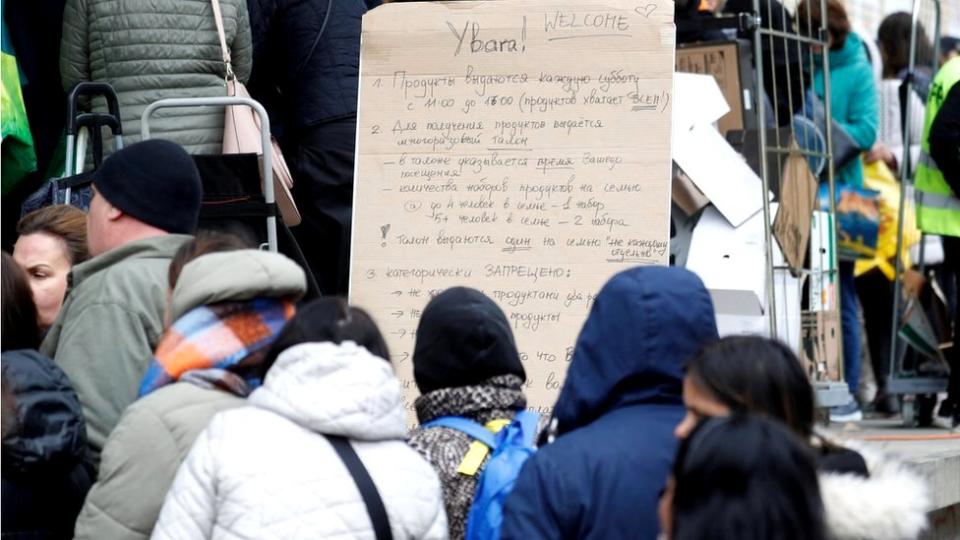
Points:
(511, 446)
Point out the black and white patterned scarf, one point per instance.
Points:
(497, 397)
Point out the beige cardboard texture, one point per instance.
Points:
(820, 344)
(521, 148)
(798, 196)
(720, 61)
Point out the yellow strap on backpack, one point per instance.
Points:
(478, 451)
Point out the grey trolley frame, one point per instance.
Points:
(828, 393)
(266, 158)
(901, 381)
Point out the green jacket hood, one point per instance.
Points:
(235, 276)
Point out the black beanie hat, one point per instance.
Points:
(463, 339)
(154, 181)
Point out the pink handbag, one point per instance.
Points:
(242, 135)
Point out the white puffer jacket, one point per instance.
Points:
(264, 471)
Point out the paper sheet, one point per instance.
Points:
(719, 171)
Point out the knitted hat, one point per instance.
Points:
(463, 339)
(154, 181)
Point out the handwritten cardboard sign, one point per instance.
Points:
(521, 148)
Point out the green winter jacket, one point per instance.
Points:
(109, 326)
(142, 455)
(853, 100)
(154, 49)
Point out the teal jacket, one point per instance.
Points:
(853, 100)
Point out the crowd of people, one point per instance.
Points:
(184, 391)
(161, 380)
(869, 101)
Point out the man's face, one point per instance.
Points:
(98, 224)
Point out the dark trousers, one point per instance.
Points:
(850, 324)
(951, 270)
(875, 292)
(323, 191)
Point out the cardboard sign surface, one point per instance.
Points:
(521, 148)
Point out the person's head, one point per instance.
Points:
(741, 374)
(463, 339)
(742, 478)
(51, 241)
(893, 39)
(949, 48)
(643, 326)
(810, 19)
(148, 189)
(20, 329)
(204, 243)
(332, 320)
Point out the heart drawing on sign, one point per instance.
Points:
(646, 10)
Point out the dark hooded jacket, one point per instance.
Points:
(45, 475)
(310, 52)
(615, 416)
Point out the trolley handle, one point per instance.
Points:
(96, 120)
(266, 162)
(93, 89)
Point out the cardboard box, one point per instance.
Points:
(820, 345)
(823, 280)
(729, 63)
(731, 262)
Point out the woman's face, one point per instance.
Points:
(700, 404)
(44, 258)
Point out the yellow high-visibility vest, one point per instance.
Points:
(938, 207)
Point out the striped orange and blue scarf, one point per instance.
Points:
(216, 346)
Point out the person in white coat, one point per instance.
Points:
(268, 470)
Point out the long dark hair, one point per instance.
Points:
(332, 320)
(745, 478)
(20, 326)
(893, 38)
(759, 375)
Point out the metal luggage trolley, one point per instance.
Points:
(908, 382)
(771, 37)
(73, 187)
(780, 103)
(266, 159)
(92, 121)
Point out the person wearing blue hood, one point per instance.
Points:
(613, 423)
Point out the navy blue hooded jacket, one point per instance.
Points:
(615, 416)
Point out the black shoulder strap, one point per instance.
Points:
(368, 490)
